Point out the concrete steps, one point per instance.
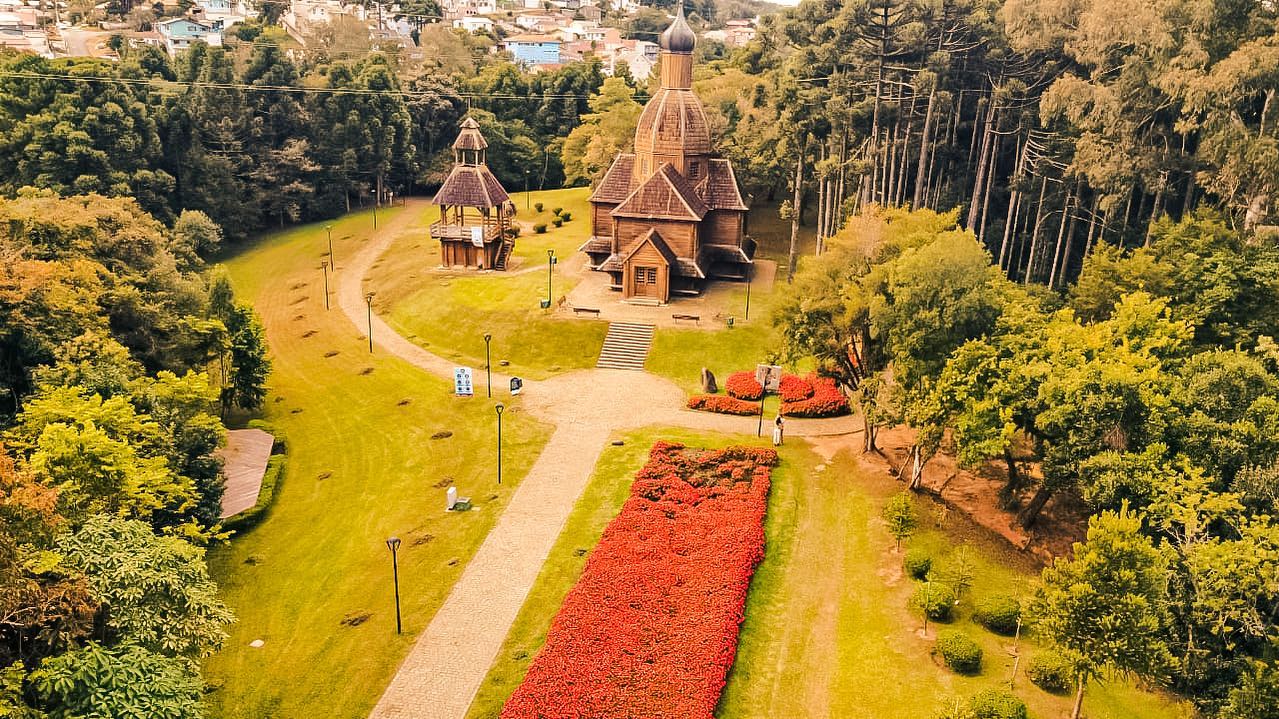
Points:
(626, 346)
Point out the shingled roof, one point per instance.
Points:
(719, 189)
(616, 184)
(665, 195)
(470, 137)
(471, 186)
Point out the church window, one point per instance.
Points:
(694, 170)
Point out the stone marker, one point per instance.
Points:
(451, 501)
(708, 382)
(257, 643)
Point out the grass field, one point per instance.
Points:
(827, 631)
(314, 580)
(449, 313)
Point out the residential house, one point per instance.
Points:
(738, 32)
(533, 50)
(474, 24)
(591, 13)
(304, 17)
(532, 21)
(177, 34)
(221, 15)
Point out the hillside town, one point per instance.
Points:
(537, 34)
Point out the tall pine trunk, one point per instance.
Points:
(918, 198)
(797, 209)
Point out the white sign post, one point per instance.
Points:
(477, 236)
(462, 382)
(769, 377)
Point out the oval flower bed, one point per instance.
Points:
(743, 385)
(723, 405)
(650, 629)
(822, 399)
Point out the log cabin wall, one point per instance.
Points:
(681, 237)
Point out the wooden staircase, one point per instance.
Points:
(626, 346)
(503, 254)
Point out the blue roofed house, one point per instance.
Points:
(178, 33)
(533, 50)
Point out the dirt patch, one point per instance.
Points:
(422, 539)
(300, 300)
(366, 371)
(331, 353)
(324, 475)
(308, 333)
(443, 483)
(976, 494)
(404, 402)
(355, 619)
(442, 434)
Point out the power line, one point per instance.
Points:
(162, 84)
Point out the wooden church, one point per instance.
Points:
(474, 229)
(669, 217)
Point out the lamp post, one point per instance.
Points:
(759, 431)
(928, 600)
(528, 199)
(368, 300)
(550, 272)
(325, 265)
(377, 197)
(750, 275)
(488, 363)
(329, 229)
(499, 409)
(394, 545)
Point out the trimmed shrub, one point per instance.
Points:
(996, 704)
(1051, 672)
(253, 516)
(539, 228)
(794, 388)
(557, 222)
(557, 211)
(936, 600)
(959, 651)
(917, 563)
(998, 613)
(538, 206)
(566, 216)
(826, 400)
(723, 405)
(742, 385)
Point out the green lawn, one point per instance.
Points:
(828, 632)
(313, 581)
(449, 314)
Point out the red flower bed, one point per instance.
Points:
(827, 400)
(650, 630)
(743, 385)
(794, 388)
(723, 405)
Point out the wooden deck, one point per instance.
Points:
(454, 231)
(244, 464)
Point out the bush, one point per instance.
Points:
(540, 228)
(723, 405)
(794, 388)
(558, 222)
(538, 206)
(959, 651)
(996, 704)
(826, 401)
(1050, 672)
(742, 385)
(998, 613)
(557, 211)
(935, 600)
(917, 563)
(566, 216)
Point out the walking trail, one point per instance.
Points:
(444, 670)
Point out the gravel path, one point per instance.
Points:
(444, 670)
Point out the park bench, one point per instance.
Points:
(586, 311)
(695, 319)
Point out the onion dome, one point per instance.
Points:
(679, 36)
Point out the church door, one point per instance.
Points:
(645, 282)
